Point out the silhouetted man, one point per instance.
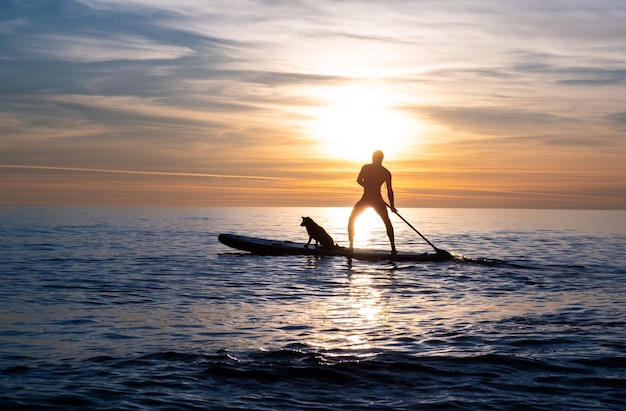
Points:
(372, 177)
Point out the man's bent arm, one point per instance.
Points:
(360, 178)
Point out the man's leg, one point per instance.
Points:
(359, 207)
(382, 212)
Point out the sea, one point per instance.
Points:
(141, 308)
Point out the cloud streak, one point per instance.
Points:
(100, 47)
(139, 172)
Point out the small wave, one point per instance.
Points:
(298, 377)
(492, 262)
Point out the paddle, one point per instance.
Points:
(438, 250)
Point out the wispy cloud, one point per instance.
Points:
(98, 48)
(618, 118)
(10, 26)
(492, 120)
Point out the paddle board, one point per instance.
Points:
(261, 246)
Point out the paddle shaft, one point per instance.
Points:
(414, 229)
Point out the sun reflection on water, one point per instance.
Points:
(357, 317)
(366, 301)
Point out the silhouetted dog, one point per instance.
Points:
(317, 233)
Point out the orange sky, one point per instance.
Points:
(475, 103)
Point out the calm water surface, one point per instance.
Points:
(142, 308)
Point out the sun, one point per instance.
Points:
(356, 121)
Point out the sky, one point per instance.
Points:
(476, 103)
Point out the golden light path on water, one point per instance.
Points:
(360, 314)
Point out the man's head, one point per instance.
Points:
(377, 157)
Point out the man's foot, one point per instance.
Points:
(394, 251)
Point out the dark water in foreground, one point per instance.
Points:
(142, 308)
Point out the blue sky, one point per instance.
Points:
(476, 103)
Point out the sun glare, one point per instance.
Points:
(358, 121)
(370, 231)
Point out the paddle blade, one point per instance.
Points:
(443, 253)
